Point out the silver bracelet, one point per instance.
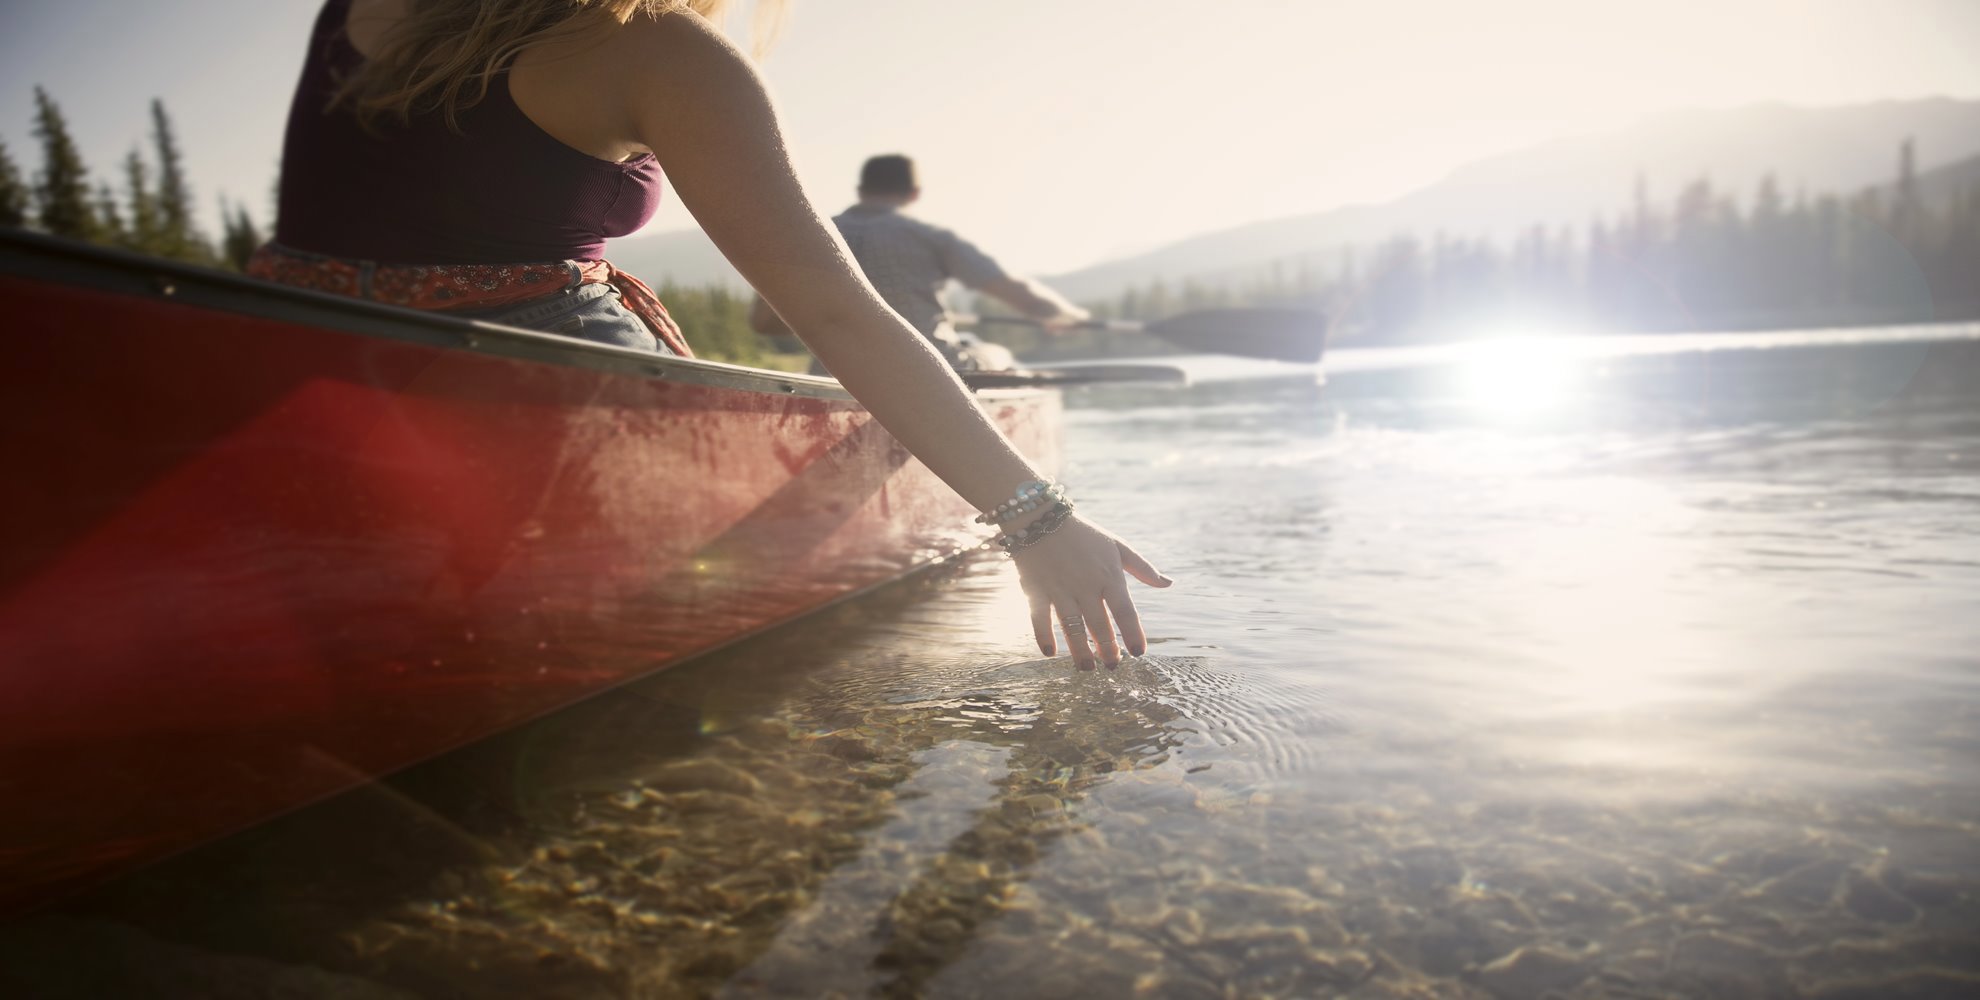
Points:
(1028, 497)
(1035, 532)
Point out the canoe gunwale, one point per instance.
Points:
(60, 261)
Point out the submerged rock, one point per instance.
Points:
(1428, 869)
(702, 774)
(1810, 886)
(1722, 958)
(1528, 972)
(1872, 900)
(1917, 984)
(1931, 888)
(849, 748)
(1443, 949)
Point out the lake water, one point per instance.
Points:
(1624, 668)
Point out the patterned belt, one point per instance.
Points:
(441, 287)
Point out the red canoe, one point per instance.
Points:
(261, 545)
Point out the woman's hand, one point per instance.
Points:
(1078, 571)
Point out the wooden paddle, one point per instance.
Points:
(1018, 378)
(1298, 335)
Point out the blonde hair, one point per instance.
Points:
(443, 53)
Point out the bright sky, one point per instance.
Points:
(1058, 133)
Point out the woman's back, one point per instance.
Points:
(498, 190)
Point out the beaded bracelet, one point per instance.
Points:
(1031, 534)
(1029, 497)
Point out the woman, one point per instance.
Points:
(437, 147)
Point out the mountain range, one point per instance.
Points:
(1567, 181)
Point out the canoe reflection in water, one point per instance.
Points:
(731, 828)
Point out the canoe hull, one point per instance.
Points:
(270, 546)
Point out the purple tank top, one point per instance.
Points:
(499, 191)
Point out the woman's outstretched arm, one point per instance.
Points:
(699, 104)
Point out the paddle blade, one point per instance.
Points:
(1277, 334)
(1083, 374)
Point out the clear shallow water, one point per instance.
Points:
(1631, 672)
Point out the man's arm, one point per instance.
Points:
(979, 271)
(1031, 298)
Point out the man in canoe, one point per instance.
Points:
(910, 261)
(475, 155)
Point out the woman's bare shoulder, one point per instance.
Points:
(681, 73)
(367, 22)
(678, 46)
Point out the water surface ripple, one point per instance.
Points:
(1651, 677)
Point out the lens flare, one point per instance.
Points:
(1516, 376)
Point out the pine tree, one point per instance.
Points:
(146, 228)
(109, 221)
(178, 236)
(241, 238)
(1643, 218)
(1906, 212)
(1959, 253)
(13, 192)
(61, 192)
(1764, 252)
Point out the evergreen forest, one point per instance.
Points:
(1705, 259)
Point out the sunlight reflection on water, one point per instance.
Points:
(1516, 376)
(1577, 668)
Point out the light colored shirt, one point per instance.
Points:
(908, 261)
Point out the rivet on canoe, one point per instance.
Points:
(164, 285)
(790, 388)
(469, 341)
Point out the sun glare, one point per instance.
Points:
(1516, 376)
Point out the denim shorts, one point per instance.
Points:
(589, 311)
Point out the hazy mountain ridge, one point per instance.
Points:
(1571, 180)
(1940, 185)
(1562, 182)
